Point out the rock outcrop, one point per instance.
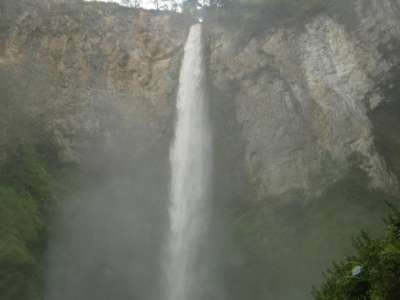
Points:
(292, 107)
(96, 72)
(302, 94)
(90, 89)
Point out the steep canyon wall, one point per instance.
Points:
(305, 120)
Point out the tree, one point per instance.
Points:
(372, 273)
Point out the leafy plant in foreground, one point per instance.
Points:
(377, 262)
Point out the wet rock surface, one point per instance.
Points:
(302, 95)
(96, 73)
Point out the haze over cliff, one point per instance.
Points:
(305, 120)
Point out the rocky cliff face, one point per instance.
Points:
(302, 93)
(88, 91)
(305, 112)
(95, 72)
(293, 106)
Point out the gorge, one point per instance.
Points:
(305, 139)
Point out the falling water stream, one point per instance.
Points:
(190, 159)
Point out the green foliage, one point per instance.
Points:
(385, 119)
(20, 229)
(25, 195)
(380, 263)
(292, 235)
(28, 186)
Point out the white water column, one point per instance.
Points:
(191, 161)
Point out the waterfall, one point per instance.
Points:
(190, 159)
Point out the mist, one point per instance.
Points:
(147, 156)
(109, 235)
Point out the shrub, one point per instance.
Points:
(380, 263)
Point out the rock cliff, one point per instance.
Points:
(305, 115)
(302, 94)
(95, 72)
(87, 112)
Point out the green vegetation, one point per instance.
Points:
(30, 193)
(377, 260)
(29, 171)
(293, 235)
(372, 273)
(25, 192)
(25, 195)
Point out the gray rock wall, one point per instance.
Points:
(302, 94)
(96, 72)
(95, 84)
